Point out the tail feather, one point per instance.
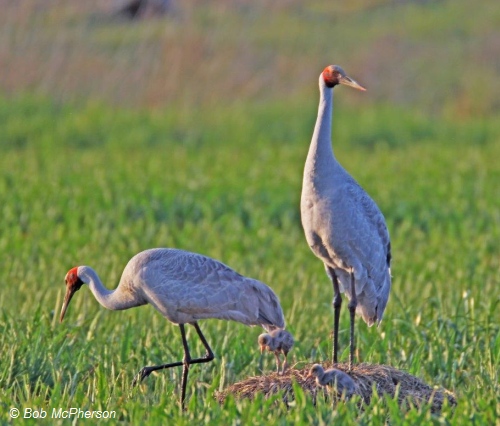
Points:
(270, 314)
(372, 298)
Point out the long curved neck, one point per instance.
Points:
(111, 299)
(320, 154)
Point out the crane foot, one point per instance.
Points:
(141, 375)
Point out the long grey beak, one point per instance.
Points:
(69, 294)
(348, 81)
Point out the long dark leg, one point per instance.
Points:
(209, 356)
(337, 303)
(353, 303)
(185, 365)
(186, 362)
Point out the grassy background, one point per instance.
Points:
(191, 131)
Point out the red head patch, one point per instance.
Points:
(73, 284)
(332, 75)
(72, 276)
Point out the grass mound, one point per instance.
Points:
(384, 379)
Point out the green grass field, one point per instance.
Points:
(91, 177)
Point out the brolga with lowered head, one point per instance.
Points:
(184, 287)
(343, 226)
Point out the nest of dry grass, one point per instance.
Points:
(385, 379)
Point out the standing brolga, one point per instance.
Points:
(343, 225)
(184, 287)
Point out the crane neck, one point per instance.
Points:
(117, 299)
(321, 154)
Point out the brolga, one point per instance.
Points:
(279, 342)
(343, 226)
(184, 287)
(335, 378)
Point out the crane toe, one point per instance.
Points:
(141, 375)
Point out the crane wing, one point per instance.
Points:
(193, 287)
(358, 238)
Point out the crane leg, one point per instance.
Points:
(285, 363)
(186, 362)
(337, 303)
(185, 365)
(278, 362)
(353, 303)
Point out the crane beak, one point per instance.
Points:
(262, 348)
(348, 81)
(69, 294)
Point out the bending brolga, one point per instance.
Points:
(343, 225)
(184, 287)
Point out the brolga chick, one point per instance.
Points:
(334, 378)
(279, 342)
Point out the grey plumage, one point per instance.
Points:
(334, 378)
(187, 287)
(343, 226)
(279, 342)
(184, 287)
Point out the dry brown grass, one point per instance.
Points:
(384, 379)
(226, 51)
